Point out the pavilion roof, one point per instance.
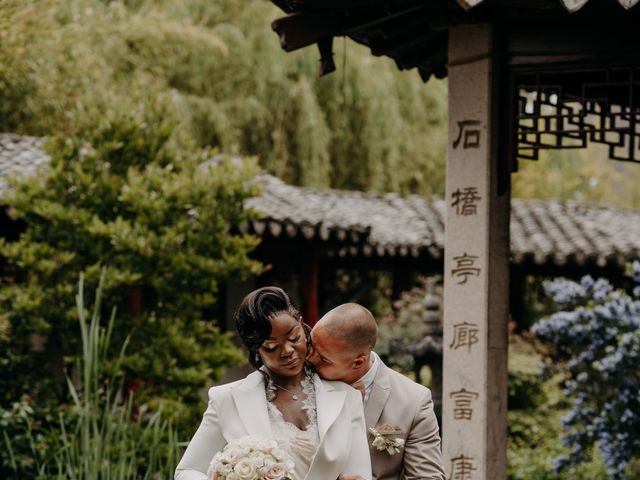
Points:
(543, 232)
(358, 224)
(414, 32)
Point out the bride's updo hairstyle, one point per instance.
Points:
(253, 318)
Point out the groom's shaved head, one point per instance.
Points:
(342, 343)
(352, 324)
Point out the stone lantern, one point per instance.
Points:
(428, 350)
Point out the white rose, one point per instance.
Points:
(279, 454)
(276, 471)
(400, 442)
(245, 469)
(270, 445)
(242, 441)
(216, 458)
(260, 460)
(232, 454)
(268, 461)
(218, 471)
(249, 443)
(379, 443)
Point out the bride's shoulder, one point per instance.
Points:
(251, 381)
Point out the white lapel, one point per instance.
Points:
(251, 401)
(380, 392)
(329, 403)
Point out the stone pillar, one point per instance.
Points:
(476, 276)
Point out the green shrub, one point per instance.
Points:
(99, 435)
(535, 442)
(536, 406)
(116, 194)
(524, 391)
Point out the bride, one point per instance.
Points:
(320, 423)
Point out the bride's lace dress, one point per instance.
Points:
(301, 444)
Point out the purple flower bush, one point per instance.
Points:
(594, 338)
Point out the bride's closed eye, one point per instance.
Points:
(271, 349)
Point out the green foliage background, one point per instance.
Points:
(219, 72)
(192, 75)
(118, 196)
(536, 407)
(195, 74)
(581, 175)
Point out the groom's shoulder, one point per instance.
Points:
(404, 386)
(335, 384)
(339, 386)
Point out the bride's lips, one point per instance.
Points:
(292, 363)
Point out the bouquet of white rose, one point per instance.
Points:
(251, 458)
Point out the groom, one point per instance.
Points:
(400, 410)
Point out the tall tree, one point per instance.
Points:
(218, 69)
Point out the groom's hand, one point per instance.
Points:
(351, 477)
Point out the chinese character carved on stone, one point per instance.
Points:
(465, 201)
(468, 134)
(465, 267)
(464, 335)
(462, 468)
(462, 409)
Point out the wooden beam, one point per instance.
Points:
(300, 30)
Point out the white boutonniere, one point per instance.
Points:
(385, 438)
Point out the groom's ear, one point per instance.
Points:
(359, 362)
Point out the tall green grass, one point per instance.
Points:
(102, 435)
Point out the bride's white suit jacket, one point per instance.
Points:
(240, 408)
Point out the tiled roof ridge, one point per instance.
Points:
(437, 198)
(330, 191)
(354, 223)
(20, 155)
(544, 231)
(570, 202)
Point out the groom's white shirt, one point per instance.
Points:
(240, 408)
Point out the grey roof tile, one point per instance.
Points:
(20, 155)
(545, 231)
(549, 232)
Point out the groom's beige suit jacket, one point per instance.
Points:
(406, 407)
(240, 408)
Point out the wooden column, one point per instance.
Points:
(476, 276)
(401, 281)
(310, 286)
(135, 301)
